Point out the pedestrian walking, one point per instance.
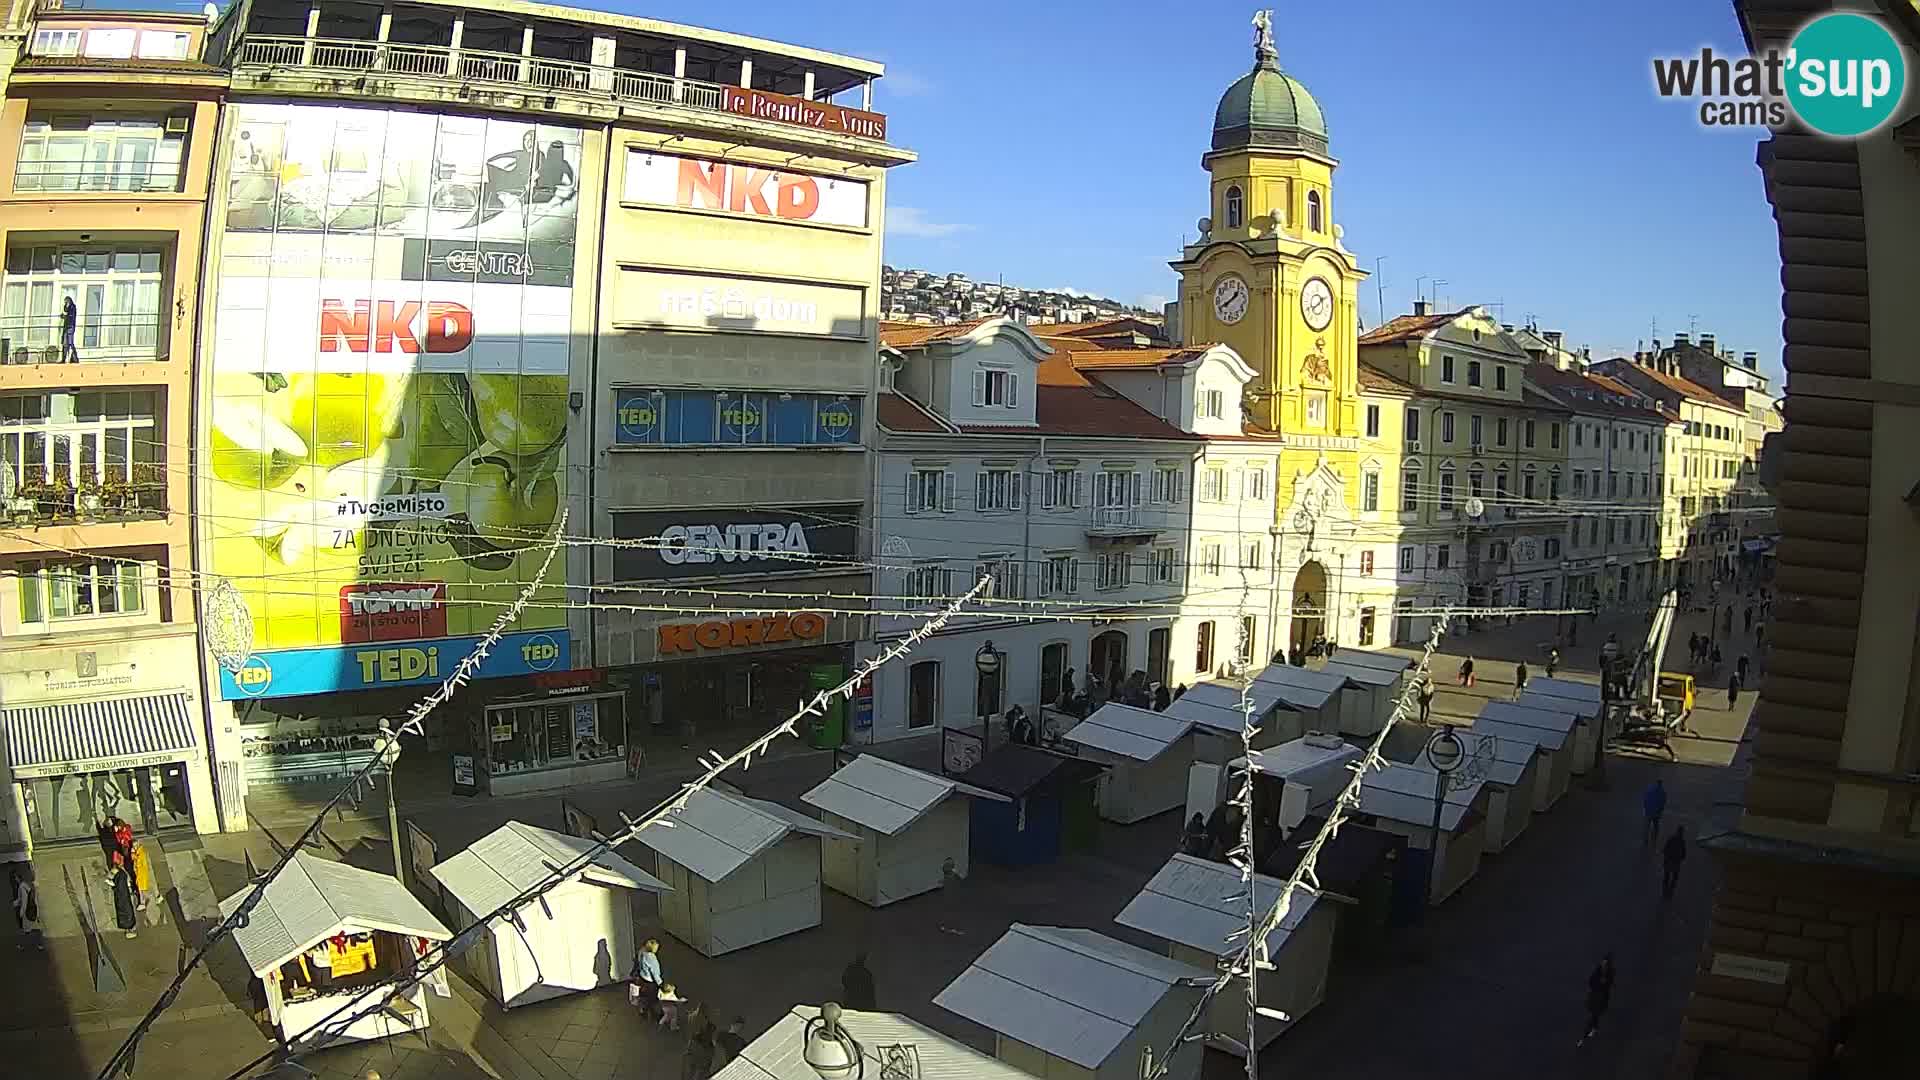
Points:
(645, 980)
(1713, 656)
(1553, 662)
(1671, 858)
(670, 1002)
(1654, 804)
(1759, 636)
(1161, 697)
(142, 866)
(1749, 619)
(1599, 996)
(121, 878)
(856, 985)
(1195, 841)
(1466, 672)
(69, 325)
(733, 1041)
(26, 906)
(1740, 668)
(696, 1061)
(1519, 679)
(1426, 697)
(1733, 690)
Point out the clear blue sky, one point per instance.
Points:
(1516, 150)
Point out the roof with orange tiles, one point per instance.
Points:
(1088, 410)
(1677, 384)
(1403, 327)
(1377, 381)
(1133, 358)
(1067, 344)
(1594, 393)
(1102, 328)
(902, 414)
(1057, 369)
(908, 335)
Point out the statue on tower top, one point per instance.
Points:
(1263, 50)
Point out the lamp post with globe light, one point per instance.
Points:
(389, 757)
(987, 690)
(829, 1050)
(1446, 753)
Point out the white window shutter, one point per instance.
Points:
(1073, 576)
(979, 387)
(980, 490)
(1079, 489)
(946, 492)
(1015, 482)
(1133, 490)
(1013, 390)
(913, 491)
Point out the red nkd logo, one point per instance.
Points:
(388, 326)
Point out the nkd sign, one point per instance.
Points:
(655, 179)
(669, 544)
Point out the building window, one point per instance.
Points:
(1475, 429)
(1314, 215)
(1579, 484)
(1062, 489)
(1161, 565)
(995, 388)
(1497, 551)
(1500, 431)
(1373, 421)
(1213, 405)
(92, 442)
(1166, 484)
(1366, 626)
(1249, 639)
(1211, 556)
(1413, 424)
(1526, 435)
(929, 491)
(1370, 491)
(1446, 427)
(81, 152)
(1406, 560)
(116, 297)
(1477, 482)
(1213, 484)
(1006, 575)
(996, 489)
(1317, 408)
(923, 694)
(1250, 554)
(1500, 485)
(1473, 373)
(1643, 530)
(1552, 548)
(1593, 531)
(1203, 648)
(1366, 562)
(1442, 556)
(928, 581)
(56, 43)
(1446, 368)
(1611, 522)
(1410, 490)
(1053, 671)
(1613, 436)
(1613, 484)
(1060, 576)
(80, 589)
(1236, 207)
(1256, 484)
(1499, 377)
(1525, 597)
(1446, 487)
(1553, 486)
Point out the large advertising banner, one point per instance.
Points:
(389, 391)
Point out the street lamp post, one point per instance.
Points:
(1446, 753)
(987, 688)
(829, 1050)
(389, 757)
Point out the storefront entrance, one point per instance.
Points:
(66, 808)
(1109, 659)
(1309, 606)
(692, 706)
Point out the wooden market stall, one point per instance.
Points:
(1555, 730)
(891, 1047)
(1512, 774)
(1216, 707)
(1320, 697)
(1399, 798)
(1197, 907)
(742, 871)
(1147, 755)
(1301, 775)
(1074, 1003)
(905, 830)
(580, 935)
(1049, 809)
(1580, 699)
(324, 932)
(1383, 661)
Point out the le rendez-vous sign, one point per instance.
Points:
(820, 115)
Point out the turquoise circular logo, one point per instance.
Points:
(1845, 74)
(255, 676)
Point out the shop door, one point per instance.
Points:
(1159, 649)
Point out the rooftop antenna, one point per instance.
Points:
(1691, 321)
(1379, 290)
(1435, 294)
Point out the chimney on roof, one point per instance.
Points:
(1553, 337)
(1679, 340)
(1751, 359)
(1419, 307)
(1706, 342)
(1507, 326)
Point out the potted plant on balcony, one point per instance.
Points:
(26, 495)
(87, 498)
(59, 503)
(148, 491)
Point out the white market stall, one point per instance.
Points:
(1580, 699)
(1191, 904)
(1371, 695)
(324, 931)
(1399, 799)
(890, 1046)
(1077, 1005)
(1309, 772)
(1147, 755)
(1216, 706)
(742, 871)
(1556, 742)
(1318, 696)
(579, 936)
(904, 829)
(1512, 774)
(1383, 661)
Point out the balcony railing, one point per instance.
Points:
(39, 503)
(477, 65)
(95, 339)
(124, 177)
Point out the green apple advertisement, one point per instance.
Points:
(388, 405)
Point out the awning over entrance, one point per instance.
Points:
(47, 740)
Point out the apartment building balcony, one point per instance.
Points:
(1122, 523)
(94, 339)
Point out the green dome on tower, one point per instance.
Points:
(1268, 109)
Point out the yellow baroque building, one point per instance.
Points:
(1270, 278)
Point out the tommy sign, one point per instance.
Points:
(692, 543)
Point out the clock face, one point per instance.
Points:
(1230, 299)
(1316, 303)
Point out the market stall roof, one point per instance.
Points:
(1510, 756)
(1362, 674)
(1016, 771)
(1404, 793)
(517, 856)
(1202, 904)
(1540, 713)
(1547, 739)
(1579, 707)
(719, 832)
(313, 899)
(886, 796)
(1348, 858)
(778, 1053)
(1074, 994)
(1314, 754)
(1216, 707)
(1385, 661)
(1301, 688)
(1140, 734)
(1588, 693)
